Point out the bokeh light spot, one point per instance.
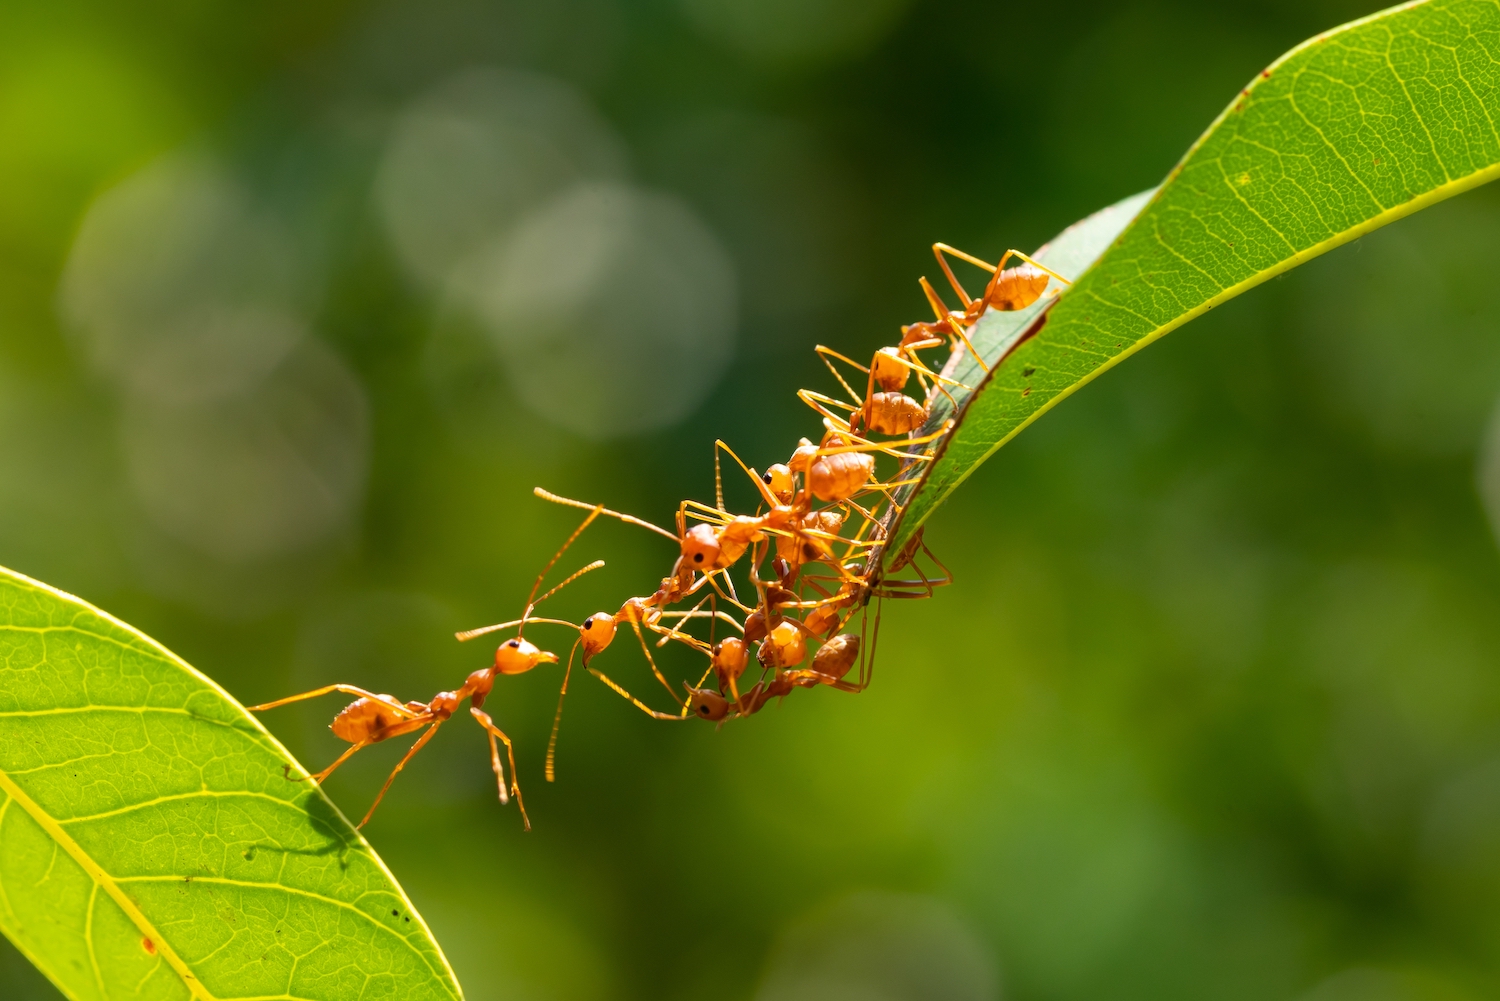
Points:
(464, 162)
(613, 308)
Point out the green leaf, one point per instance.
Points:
(151, 845)
(1351, 130)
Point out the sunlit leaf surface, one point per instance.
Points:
(150, 844)
(1354, 129)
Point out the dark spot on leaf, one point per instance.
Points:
(1028, 372)
(249, 854)
(1026, 391)
(149, 946)
(1265, 74)
(407, 920)
(395, 914)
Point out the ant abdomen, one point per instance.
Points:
(784, 646)
(840, 476)
(362, 719)
(835, 657)
(893, 413)
(1018, 287)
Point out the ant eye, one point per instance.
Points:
(765, 478)
(513, 644)
(697, 557)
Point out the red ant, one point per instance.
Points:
(373, 718)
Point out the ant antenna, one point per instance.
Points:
(551, 767)
(629, 519)
(531, 603)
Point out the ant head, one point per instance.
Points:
(597, 632)
(708, 704)
(779, 479)
(700, 548)
(517, 656)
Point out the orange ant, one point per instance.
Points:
(1008, 290)
(835, 472)
(783, 648)
(373, 718)
(890, 411)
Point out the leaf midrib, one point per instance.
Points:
(106, 882)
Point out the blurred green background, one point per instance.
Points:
(299, 300)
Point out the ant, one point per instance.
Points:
(890, 411)
(783, 647)
(373, 718)
(1008, 290)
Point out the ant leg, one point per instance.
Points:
(317, 779)
(420, 742)
(947, 574)
(629, 519)
(1035, 264)
(760, 486)
(940, 309)
(550, 770)
(413, 721)
(891, 448)
(510, 751)
(825, 354)
(938, 249)
(469, 634)
(821, 403)
(946, 318)
(620, 690)
(346, 689)
(652, 661)
(730, 596)
(674, 632)
(531, 601)
(958, 330)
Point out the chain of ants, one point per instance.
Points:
(820, 530)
